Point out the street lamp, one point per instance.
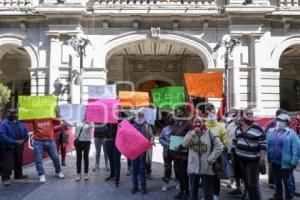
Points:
(79, 43)
(228, 43)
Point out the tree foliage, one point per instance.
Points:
(4, 96)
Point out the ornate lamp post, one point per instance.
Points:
(79, 44)
(228, 43)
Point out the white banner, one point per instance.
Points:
(149, 114)
(72, 112)
(102, 92)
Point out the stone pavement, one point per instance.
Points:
(96, 188)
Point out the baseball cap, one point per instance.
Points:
(284, 117)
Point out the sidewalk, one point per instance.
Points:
(96, 188)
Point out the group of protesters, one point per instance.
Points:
(252, 150)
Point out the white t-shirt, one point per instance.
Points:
(86, 133)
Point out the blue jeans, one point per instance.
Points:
(39, 147)
(138, 168)
(283, 175)
(114, 157)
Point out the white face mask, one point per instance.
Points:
(211, 117)
(280, 125)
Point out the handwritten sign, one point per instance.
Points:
(72, 112)
(130, 142)
(133, 99)
(204, 84)
(102, 92)
(175, 141)
(149, 114)
(102, 111)
(37, 107)
(168, 98)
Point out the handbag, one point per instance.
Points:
(76, 141)
(222, 167)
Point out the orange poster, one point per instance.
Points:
(133, 99)
(204, 84)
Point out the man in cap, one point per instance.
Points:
(13, 135)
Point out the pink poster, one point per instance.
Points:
(102, 111)
(130, 142)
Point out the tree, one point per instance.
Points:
(4, 96)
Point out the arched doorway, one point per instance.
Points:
(15, 63)
(159, 61)
(290, 79)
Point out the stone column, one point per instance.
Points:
(255, 74)
(55, 57)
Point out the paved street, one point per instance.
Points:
(96, 188)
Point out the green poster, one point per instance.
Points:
(37, 107)
(168, 98)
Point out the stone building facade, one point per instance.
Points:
(148, 42)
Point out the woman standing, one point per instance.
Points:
(63, 141)
(283, 155)
(139, 164)
(99, 140)
(204, 149)
(83, 137)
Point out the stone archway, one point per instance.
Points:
(17, 58)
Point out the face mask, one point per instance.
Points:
(200, 126)
(248, 121)
(140, 121)
(281, 125)
(12, 117)
(211, 117)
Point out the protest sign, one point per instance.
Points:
(102, 92)
(208, 85)
(168, 98)
(37, 107)
(72, 112)
(149, 114)
(133, 99)
(130, 142)
(175, 142)
(102, 111)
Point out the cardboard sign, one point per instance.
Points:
(102, 111)
(133, 99)
(149, 114)
(102, 92)
(168, 98)
(130, 142)
(37, 107)
(204, 84)
(72, 112)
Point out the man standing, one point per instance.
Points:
(13, 135)
(43, 137)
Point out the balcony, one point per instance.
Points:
(16, 3)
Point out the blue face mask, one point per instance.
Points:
(211, 117)
(281, 125)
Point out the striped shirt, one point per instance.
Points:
(247, 145)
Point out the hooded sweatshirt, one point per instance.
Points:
(219, 130)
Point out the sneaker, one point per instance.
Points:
(178, 195)
(109, 178)
(134, 190)
(60, 175)
(78, 177)
(117, 184)
(63, 163)
(21, 177)
(216, 197)
(96, 169)
(85, 177)
(42, 178)
(177, 186)
(6, 183)
(165, 187)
